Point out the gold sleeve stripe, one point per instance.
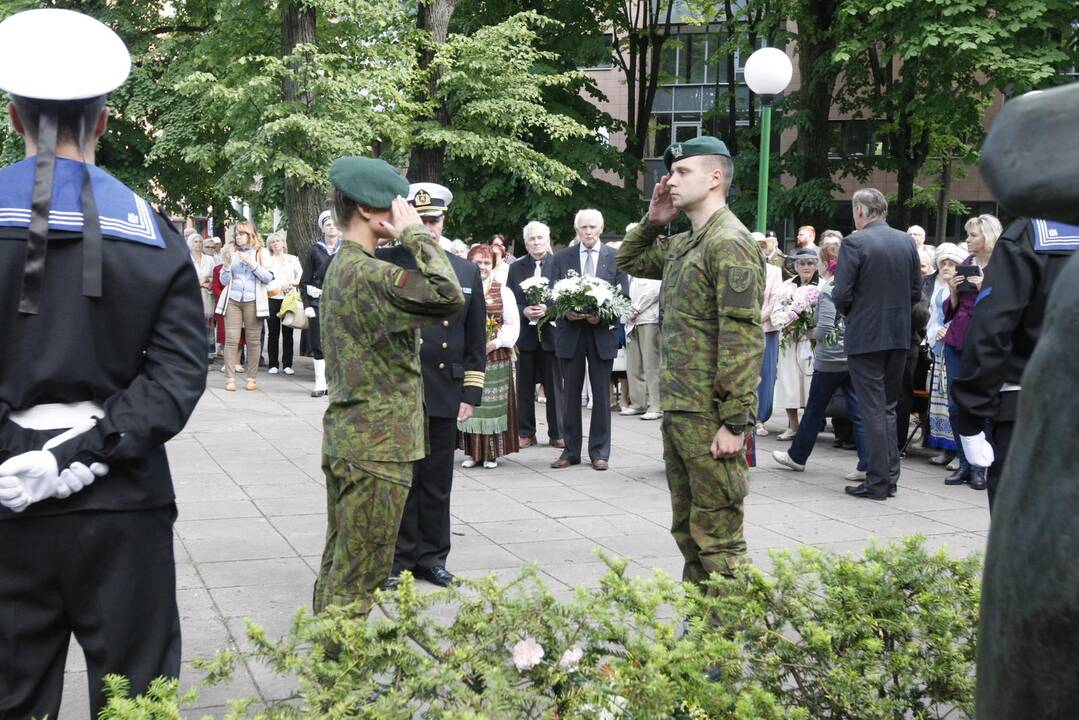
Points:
(473, 378)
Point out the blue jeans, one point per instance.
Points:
(953, 359)
(821, 389)
(767, 388)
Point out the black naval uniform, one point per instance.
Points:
(453, 359)
(314, 270)
(536, 361)
(1006, 325)
(99, 563)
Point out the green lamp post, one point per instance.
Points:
(768, 72)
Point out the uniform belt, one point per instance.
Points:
(1010, 387)
(58, 416)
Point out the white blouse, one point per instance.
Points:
(286, 270)
(204, 268)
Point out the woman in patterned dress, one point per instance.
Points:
(491, 432)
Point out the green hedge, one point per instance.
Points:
(890, 635)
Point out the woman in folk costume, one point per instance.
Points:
(491, 432)
(940, 435)
(795, 368)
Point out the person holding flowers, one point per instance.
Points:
(792, 315)
(491, 432)
(530, 278)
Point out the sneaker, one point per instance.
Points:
(953, 465)
(631, 411)
(855, 476)
(289, 371)
(785, 460)
(272, 371)
(761, 430)
(787, 434)
(468, 463)
(239, 368)
(490, 464)
(652, 416)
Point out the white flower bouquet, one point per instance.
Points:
(537, 291)
(587, 296)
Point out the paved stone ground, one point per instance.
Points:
(252, 517)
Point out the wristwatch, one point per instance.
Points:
(735, 429)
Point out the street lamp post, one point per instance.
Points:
(768, 72)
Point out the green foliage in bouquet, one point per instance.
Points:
(587, 295)
(888, 635)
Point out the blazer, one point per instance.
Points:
(521, 270)
(568, 334)
(453, 354)
(878, 280)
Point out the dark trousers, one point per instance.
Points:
(314, 337)
(278, 331)
(599, 377)
(821, 389)
(1000, 436)
(905, 403)
(107, 577)
(424, 537)
(538, 366)
(878, 378)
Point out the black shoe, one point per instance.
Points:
(838, 444)
(861, 491)
(958, 477)
(977, 479)
(892, 490)
(318, 393)
(849, 445)
(437, 575)
(391, 583)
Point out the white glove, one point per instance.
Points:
(37, 475)
(77, 476)
(309, 312)
(977, 450)
(313, 292)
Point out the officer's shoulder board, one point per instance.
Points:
(1054, 238)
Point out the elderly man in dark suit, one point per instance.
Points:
(536, 362)
(583, 337)
(878, 279)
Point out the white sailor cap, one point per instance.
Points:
(323, 217)
(429, 199)
(60, 55)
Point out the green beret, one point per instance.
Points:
(703, 145)
(368, 181)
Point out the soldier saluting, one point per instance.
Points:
(374, 427)
(711, 347)
(104, 359)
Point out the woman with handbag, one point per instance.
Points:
(286, 273)
(204, 268)
(244, 301)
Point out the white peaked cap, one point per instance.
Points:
(60, 55)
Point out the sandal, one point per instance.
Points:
(252, 385)
(230, 385)
(761, 430)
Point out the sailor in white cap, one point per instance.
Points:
(314, 270)
(103, 360)
(431, 201)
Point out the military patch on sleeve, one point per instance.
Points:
(739, 279)
(400, 278)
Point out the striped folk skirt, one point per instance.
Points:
(491, 432)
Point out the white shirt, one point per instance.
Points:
(595, 256)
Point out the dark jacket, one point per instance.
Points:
(878, 280)
(521, 269)
(568, 333)
(452, 351)
(314, 270)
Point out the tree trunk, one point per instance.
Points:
(942, 200)
(427, 164)
(302, 202)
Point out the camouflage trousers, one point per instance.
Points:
(706, 496)
(364, 503)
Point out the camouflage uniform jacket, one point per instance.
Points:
(371, 315)
(711, 341)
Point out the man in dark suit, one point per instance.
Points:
(535, 353)
(878, 279)
(584, 337)
(453, 360)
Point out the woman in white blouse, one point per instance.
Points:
(795, 367)
(286, 271)
(204, 268)
(491, 432)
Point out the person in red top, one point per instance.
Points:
(982, 234)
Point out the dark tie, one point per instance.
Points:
(589, 266)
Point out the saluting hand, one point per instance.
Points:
(661, 208)
(402, 216)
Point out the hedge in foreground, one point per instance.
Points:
(890, 635)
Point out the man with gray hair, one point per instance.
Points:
(536, 362)
(918, 233)
(878, 280)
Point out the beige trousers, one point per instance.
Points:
(642, 367)
(241, 316)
